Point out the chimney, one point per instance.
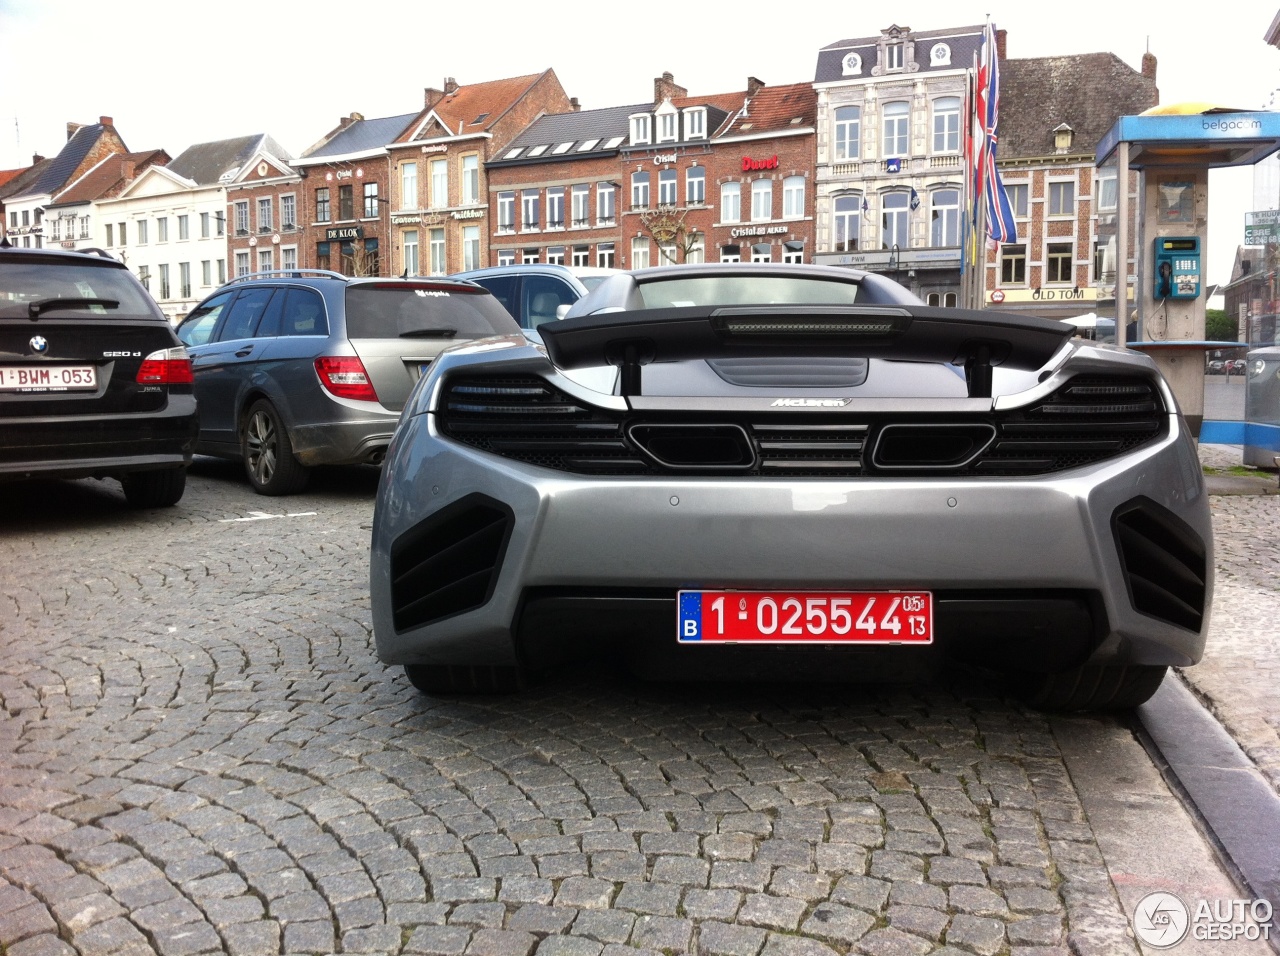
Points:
(574, 104)
(106, 121)
(753, 85)
(431, 96)
(1002, 44)
(36, 158)
(666, 88)
(345, 121)
(450, 85)
(1149, 66)
(73, 128)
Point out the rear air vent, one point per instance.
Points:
(1164, 563)
(526, 418)
(449, 563)
(1089, 419)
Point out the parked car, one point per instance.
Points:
(309, 367)
(801, 471)
(535, 293)
(1215, 366)
(93, 382)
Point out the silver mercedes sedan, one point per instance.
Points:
(763, 471)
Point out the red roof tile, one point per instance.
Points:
(475, 107)
(110, 176)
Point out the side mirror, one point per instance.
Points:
(562, 310)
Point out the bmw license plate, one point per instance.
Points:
(799, 617)
(47, 378)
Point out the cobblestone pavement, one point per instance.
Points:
(1239, 678)
(200, 753)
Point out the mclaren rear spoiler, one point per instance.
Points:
(977, 340)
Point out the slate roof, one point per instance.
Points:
(63, 166)
(20, 184)
(473, 108)
(596, 127)
(360, 137)
(206, 164)
(776, 109)
(964, 43)
(1088, 92)
(99, 182)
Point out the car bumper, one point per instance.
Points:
(362, 440)
(569, 539)
(87, 446)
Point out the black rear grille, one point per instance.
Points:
(1164, 563)
(449, 563)
(1089, 419)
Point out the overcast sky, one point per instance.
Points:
(171, 76)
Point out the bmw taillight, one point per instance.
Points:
(166, 367)
(345, 376)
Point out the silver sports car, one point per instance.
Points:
(756, 471)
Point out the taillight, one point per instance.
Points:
(165, 367)
(344, 376)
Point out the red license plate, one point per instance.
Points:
(814, 617)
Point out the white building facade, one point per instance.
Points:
(171, 233)
(889, 177)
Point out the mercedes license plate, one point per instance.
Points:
(47, 378)
(815, 617)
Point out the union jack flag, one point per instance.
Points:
(985, 177)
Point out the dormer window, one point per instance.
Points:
(852, 65)
(940, 55)
(1063, 136)
(640, 128)
(893, 56)
(695, 124)
(666, 127)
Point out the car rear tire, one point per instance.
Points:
(154, 489)
(268, 453)
(464, 679)
(1092, 687)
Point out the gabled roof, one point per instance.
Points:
(359, 137)
(474, 108)
(775, 109)
(582, 134)
(7, 174)
(962, 41)
(21, 184)
(63, 166)
(1087, 91)
(208, 164)
(109, 177)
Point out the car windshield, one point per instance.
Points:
(663, 292)
(45, 280)
(387, 310)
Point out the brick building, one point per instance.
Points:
(665, 215)
(71, 217)
(760, 174)
(554, 192)
(437, 165)
(263, 206)
(345, 184)
(86, 146)
(1053, 112)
